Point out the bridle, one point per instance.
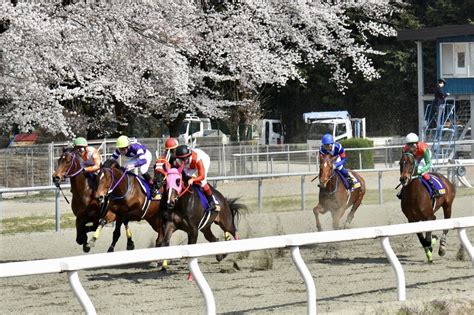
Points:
(333, 173)
(114, 184)
(73, 162)
(412, 173)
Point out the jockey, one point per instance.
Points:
(138, 157)
(164, 163)
(90, 156)
(335, 149)
(196, 159)
(422, 153)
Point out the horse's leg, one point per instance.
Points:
(427, 243)
(81, 235)
(210, 237)
(442, 241)
(168, 229)
(128, 232)
(316, 210)
(115, 235)
(356, 205)
(109, 217)
(336, 217)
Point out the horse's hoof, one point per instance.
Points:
(219, 258)
(86, 248)
(442, 251)
(130, 246)
(163, 270)
(110, 250)
(461, 254)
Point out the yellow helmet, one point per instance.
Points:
(122, 142)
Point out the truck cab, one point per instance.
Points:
(339, 124)
(271, 132)
(191, 128)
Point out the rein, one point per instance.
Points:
(413, 171)
(73, 162)
(115, 185)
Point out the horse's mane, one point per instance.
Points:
(111, 163)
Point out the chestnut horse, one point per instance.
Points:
(187, 213)
(418, 206)
(122, 198)
(85, 205)
(333, 196)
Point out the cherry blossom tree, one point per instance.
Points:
(93, 68)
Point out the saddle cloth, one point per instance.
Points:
(203, 198)
(344, 180)
(437, 183)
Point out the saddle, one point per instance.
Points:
(437, 183)
(346, 183)
(203, 198)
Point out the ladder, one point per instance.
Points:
(440, 128)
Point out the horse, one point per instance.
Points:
(187, 213)
(334, 196)
(417, 204)
(84, 205)
(122, 197)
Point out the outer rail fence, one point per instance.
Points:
(215, 180)
(72, 265)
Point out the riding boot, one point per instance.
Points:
(350, 181)
(210, 199)
(436, 193)
(149, 180)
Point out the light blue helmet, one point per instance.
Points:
(327, 139)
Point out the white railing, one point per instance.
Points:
(72, 265)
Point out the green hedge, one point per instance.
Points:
(367, 156)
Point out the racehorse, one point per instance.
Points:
(334, 196)
(187, 213)
(417, 204)
(122, 197)
(85, 205)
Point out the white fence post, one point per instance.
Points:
(307, 277)
(81, 293)
(203, 286)
(397, 267)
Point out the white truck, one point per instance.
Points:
(337, 123)
(263, 131)
(195, 130)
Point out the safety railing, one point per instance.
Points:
(214, 180)
(72, 265)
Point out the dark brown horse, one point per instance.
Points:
(122, 198)
(417, 204)
(85, 205)
(187, 213)
(333, 196)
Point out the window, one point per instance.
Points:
(457, 60)
(341, 129)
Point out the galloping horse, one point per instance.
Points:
(85, 205)
(417, 204)
(334, 196)
(122, 198)
(187, 212)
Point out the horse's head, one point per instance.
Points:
(407, 168)
(68, 165)
(174, 186)
(326, 170)
(107, 179)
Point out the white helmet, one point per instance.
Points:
(411, 138)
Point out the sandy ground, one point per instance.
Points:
(351, 277)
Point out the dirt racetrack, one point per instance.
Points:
(351, 277)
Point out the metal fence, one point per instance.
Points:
(32, 166)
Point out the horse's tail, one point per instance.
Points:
(237, 209)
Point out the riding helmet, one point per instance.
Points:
(327, 139)
(182, 152)
(80, 142)
(122, 142)
(411, 138)
(171, 143)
